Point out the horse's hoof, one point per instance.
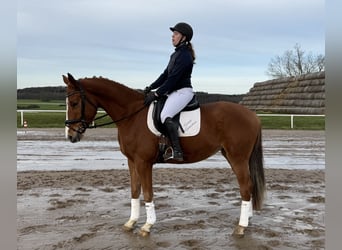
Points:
(239, 231)
(145, 230)
(127, 229)
(143, 233)
(129, 225)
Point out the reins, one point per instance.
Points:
(100, 125)
(116, 121)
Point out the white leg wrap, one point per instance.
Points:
(135, 209)
(246, 207)
(250, 211)
(150, 213)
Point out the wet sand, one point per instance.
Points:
(196, 209)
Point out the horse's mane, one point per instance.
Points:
(109, 82)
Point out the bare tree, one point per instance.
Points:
(294, 63)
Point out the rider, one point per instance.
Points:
(175, 83)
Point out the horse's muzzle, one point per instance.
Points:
(75, 137)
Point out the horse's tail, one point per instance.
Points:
(256, 169)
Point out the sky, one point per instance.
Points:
(130, 41)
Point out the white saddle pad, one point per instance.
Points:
(190, 121)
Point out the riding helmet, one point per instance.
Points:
(183, 28)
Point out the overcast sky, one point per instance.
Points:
(130, 42)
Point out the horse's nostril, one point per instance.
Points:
(72, 139)
(75, 138)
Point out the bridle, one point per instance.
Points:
(86, 124)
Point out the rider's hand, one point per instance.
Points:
(147, 90)
(149, 98)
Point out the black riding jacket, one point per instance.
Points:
(177, 74)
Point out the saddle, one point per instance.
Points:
(164, 142)
(158, 107)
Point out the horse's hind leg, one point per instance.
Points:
(241, 170)
(135, 201)
(242, 173)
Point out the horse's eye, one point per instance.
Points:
(73, 104)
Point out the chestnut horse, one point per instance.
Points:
(228, 127)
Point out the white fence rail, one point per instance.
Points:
(22, 111)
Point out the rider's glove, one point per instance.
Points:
(147, 90)
(149, 98)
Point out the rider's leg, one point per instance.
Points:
(172, 130)
(175, 102)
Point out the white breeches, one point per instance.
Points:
(175, 102)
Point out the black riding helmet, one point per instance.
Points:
(183, 28)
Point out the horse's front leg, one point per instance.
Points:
(145, 172)
(135, 201)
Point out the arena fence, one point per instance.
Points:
(22, 112)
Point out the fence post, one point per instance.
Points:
(66, 128)
(21, 117)
(291, 121)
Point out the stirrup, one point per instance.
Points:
(169, 154)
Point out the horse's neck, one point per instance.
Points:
(116, 99)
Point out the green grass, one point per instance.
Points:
(299, 122)
(42, 120)
(47, 119)
(313, 123)
(52, 120)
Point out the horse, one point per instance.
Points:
(225, 126)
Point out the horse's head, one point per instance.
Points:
(81, 111)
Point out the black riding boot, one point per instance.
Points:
(172, 130)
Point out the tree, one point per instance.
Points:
(295, 63)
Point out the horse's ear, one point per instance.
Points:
(70, 80)
(65, 79)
